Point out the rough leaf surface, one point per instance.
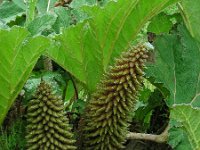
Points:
(178, 67)
(10, 11)
(41, 23)
(88, 48)
(191, 14)
(189, 118)
(18, 55)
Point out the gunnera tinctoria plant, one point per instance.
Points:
(48, 127)
(107, 114)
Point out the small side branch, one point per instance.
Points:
(75, 94)
(161, 138)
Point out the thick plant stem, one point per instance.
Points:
(48, 66)
(161, 138)
(75, 94)
(30, 13)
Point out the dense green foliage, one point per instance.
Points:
(81, 39)
(14, 137)
(18, 56)
(95, 42)
(178, 58)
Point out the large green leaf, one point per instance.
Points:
(20, 3)
(78, 54)
(160, 24)
(9, 11)
(80, 3)
(190, 125)
(178, 67)
(41, 23)
(18, 55)
(63, 20)
(178, 139)
(116, 25)
(88, 48)
(42, 6)
(191, 14)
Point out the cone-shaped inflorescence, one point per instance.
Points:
(48, 127)
(108, 112)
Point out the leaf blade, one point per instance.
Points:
(18, 57)
(191, 14)
(9, 11)
(186, 115)
(109, 30)
(177, 66)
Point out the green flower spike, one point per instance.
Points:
(48, 127)
(108, 111)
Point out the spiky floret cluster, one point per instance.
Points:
(108, 112)
(48, 127)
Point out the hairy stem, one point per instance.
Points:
(48, 66)
(31, 10)
(76, 92)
